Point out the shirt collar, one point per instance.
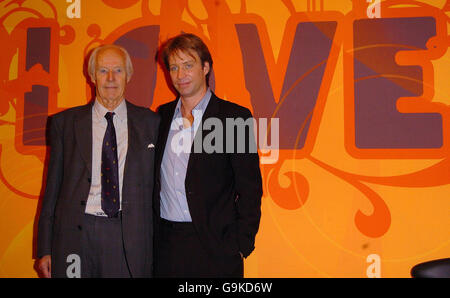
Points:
(120, 111)
(201, 106)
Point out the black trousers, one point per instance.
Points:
(179, 253)
(102, 252)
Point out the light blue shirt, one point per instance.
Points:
(174, 206)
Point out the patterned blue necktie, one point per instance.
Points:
(110, 170)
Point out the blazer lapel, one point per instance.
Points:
(132, 138)
(211, 111)
(166, 120)
(83, 134)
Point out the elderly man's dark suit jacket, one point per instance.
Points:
(69, 181)
(223, 190)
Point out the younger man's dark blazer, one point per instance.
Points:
(223, 190)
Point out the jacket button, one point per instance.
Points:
(89, 180)
(79, 227)
(83, 203)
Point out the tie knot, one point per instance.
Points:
(109, 115)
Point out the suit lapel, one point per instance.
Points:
(166, 120)
(132, 138)
(211, 111)
(83, 134)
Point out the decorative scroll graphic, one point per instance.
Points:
(355, 86)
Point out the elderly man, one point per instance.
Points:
(209, 200)
(96, 217)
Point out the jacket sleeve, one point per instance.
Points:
(53, 185)
(248, 187)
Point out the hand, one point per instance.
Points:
(45, 266)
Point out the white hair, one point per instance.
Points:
(92, 64)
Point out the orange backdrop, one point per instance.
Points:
(361, 183)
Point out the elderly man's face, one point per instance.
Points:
(110, 76)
